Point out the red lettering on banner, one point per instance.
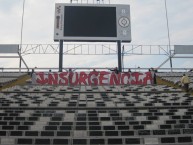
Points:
(83, 78)
(63, 78)
(92, 78)
(103, 78)
(125, 77)
(41, 78)
(73, 76)
(53, 79)
(148, 77)
(115, 79)
(137, 80)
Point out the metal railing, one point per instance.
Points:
(55, 69)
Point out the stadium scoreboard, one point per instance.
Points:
(89, 22)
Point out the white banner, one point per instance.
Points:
(92, 78)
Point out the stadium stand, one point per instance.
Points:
(95, 115)
(8, 77)
(174, 77)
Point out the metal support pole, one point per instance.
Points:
(61, 56)
(170, 55)
(19, 62)
(22, 21)
(123, 50)
(119, 55)
(171, 63)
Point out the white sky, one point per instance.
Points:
(148, 25)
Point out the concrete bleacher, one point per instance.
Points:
(175, 77)
(8, 77)
(93, 115)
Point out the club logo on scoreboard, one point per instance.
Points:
(58, 9)
(124, 22)
(57, 22)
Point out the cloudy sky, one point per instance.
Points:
(148, 26)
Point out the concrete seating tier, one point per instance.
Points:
(175, 77)
(93, 115)
(7, 77)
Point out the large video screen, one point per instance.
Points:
(90, 21)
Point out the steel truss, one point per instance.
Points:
(102, 49)
(95, 49)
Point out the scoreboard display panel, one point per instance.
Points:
(75, 22)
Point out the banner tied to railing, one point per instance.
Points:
(92, 78)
